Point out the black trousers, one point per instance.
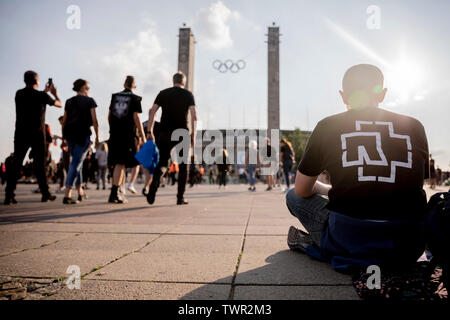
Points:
(22, 143)
(222, 178)
(165, 145)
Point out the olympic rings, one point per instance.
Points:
(229, 65)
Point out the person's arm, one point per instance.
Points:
(151, 121)
(54, 92)
(306, 186)
(138, 124)
(95, 125)
(193, 124)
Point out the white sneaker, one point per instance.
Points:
(131, 188)
(123, 190)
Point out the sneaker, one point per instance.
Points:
(151, 197)
(60, 191)
(131, 188)
(181, 202)
(115, 199)
(269, 189)
(114, 196)
(81, 197)
(48, 197)
(68, 200)
(9, 200)
(123, 199)
(298, 240)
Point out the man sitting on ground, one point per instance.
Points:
(377, 160)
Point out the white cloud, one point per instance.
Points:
(212, 26)
(144, 58)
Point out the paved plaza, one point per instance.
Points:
(226, 244)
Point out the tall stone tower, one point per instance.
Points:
(186, 56)
(273, 88)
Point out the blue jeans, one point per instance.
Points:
(101, 175)
(286, 170)
(251, 175)
(311, 212)
(78, 153)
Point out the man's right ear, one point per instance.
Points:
(344, 97)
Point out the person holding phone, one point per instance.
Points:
(29, 133)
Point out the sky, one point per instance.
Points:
(320, 41)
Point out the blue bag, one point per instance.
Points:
(148, 156)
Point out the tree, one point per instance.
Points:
(298, 139)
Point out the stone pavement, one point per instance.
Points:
(226, 244)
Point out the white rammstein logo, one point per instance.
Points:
(363, 156)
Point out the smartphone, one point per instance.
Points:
(50, 82)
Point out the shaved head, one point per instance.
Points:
(361, 85)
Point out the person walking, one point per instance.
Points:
(287, 157)
(135, 170)
(102, 164)
(176, 102)
(79, 116)
(252, 160)
(268, 154)
(30, 133)
(64, 160)
(211, 174)
(223, 168)
(173, 172)
(123, 120)
(432, 173)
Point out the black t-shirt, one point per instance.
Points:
(175, 103)
(123, 105)
(377, 161)
(224, 165)
(79, 118)
(287, 153)
(30, 110)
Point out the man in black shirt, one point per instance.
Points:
(377, 161)
(123, 120)
(30, 133)
(176, 102)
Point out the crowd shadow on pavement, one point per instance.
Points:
(45, 217)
